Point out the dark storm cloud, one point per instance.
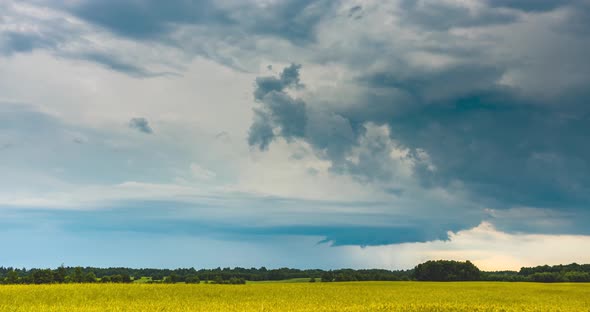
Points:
(579, 19)
(55, 33)
(469, 108)
(293, 20)
(141, 125)
(530, 5)
(179, 218)
(157, 22)
(146, 19)
(506, 150)
(261, 133)
(282, 115)
(288, 78)
(152, 19)
(20, 42)
(440, 16)
(279, 110)
(15, 42)
(425, 86)
(22, 33)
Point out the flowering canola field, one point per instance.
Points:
(353, 296)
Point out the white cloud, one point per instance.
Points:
(201, 173)
(484, 245)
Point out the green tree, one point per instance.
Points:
(77, 276)
(117, 278)
(577, 276)
(327, 276)
(446, 270)
(236, 281)
(172, 279)
(43, 276)
(90, 277)
(546, 277)
(12, 277)
(157, 277)
(59, 276)
(125, 278)
(192, 279)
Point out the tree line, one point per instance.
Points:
(237, 275)
(444, 270)
(572, 273)
(441, 270)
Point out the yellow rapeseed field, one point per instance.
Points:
(353, 296)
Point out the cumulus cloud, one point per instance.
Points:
(463, 98)
(506, 145)
(279, 110)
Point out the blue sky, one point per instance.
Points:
(294, 133)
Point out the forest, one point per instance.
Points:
(440, 270)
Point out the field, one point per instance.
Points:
(353, 296)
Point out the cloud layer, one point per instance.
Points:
(355, 123)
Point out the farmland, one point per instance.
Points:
(348, 296)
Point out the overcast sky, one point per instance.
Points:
(308, 134)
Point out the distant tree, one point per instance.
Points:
(328, 276)
(125, 278)
(78, 275)
(12, 277)
(577, 277)
(28, 279)
(192, 279)
(546, 277)
(157, 277)
(312, 280)
(447, 270)
(59, 276)
(43, 276)
(172, 279)
(236, 281)
(105, 279)
(90, 277)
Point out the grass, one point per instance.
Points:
(354, 296)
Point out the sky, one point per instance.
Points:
(294, 133)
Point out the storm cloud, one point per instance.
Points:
(439, 115)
